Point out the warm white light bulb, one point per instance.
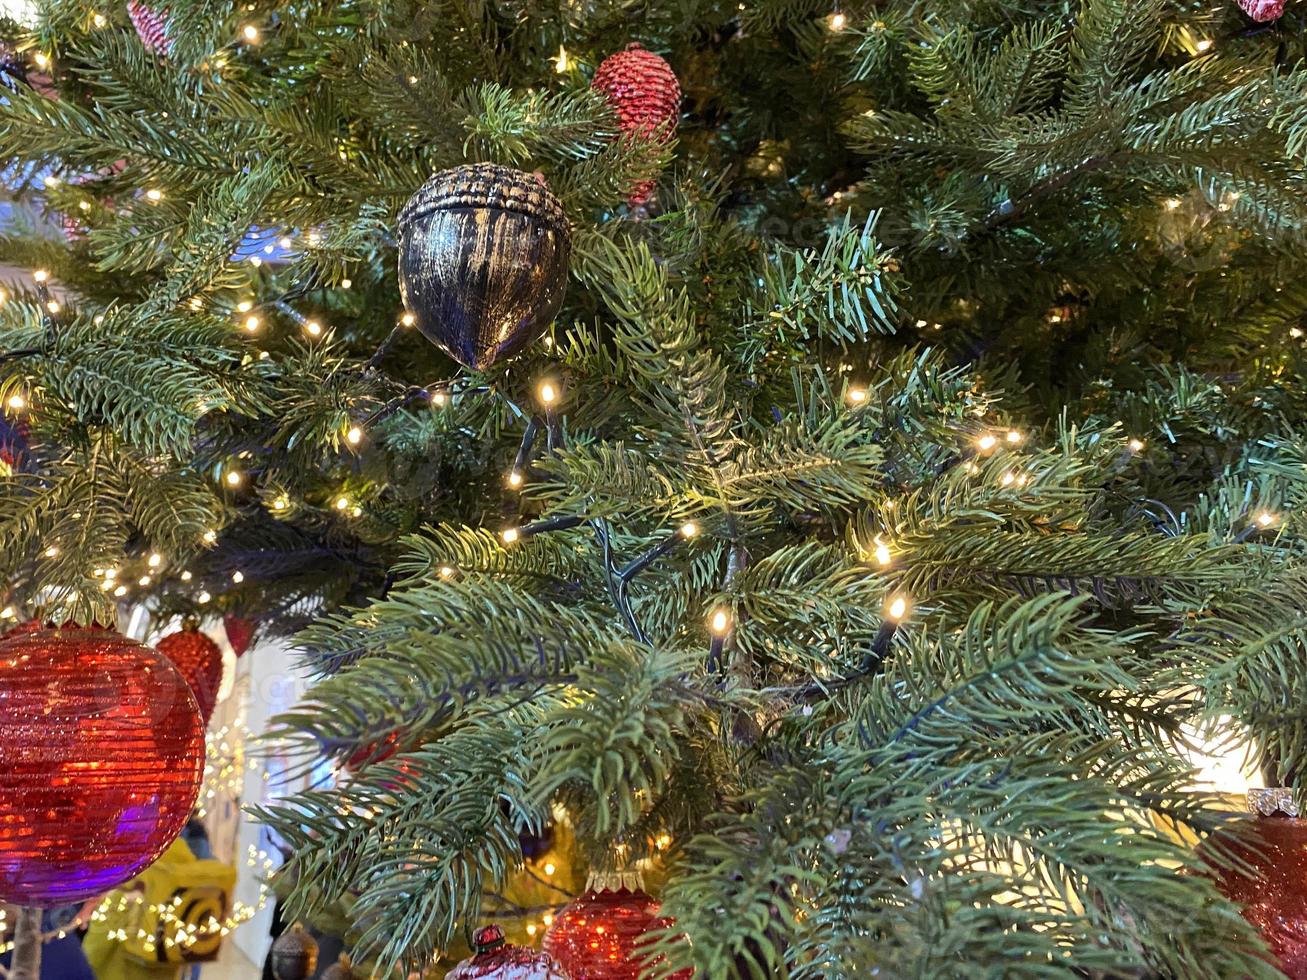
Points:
(154, 195)
(408, 319)
(439, 399)
(250, 33)
(446, 571)
(548, 393)
(252, 323)
(514, 479)
(509, 535)
(17, 402)
(313, 328)
(354, 436)
(986, 443)
(40, 275)
(838, 21)
(1265, 519)
(342, 502)
(1013, 436)
(689, 529)
(856, 396)
(719, 622)
(234, 478)
(883, 556)
(1135, 445)
(897, 608)
(203, 597)
(155, 560)
(238, 577)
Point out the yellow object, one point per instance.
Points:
(169, 915)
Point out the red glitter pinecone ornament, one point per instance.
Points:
(101, 754)
(153, 25)
(1263, 10)
(601, 935)
(498, 960)
(643, 90)
(200, 662)
(1274, 899)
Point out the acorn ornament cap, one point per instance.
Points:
(483, 261)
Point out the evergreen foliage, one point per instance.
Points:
(990, 306)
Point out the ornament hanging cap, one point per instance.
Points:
(487, 938)
(1273, 801)
(487, 185)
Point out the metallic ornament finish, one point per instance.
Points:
(483, 260)
(498, 960)
(101, 756)
(294, 954)
(1275, 898)
(599, 936)
(200, 662)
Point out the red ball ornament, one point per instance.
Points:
(643, 90)
(498, 960)
(1275, 898)
(101, 756)
(200, 662)
(601, 935)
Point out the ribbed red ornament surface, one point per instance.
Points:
(600, 935)
(499, 960)
(101, 756)
(153, 25)
(644, 92)
(200, 662)
(1275, 898)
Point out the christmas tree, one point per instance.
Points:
(879, 445)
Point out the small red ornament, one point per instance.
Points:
(101, 756)
(643, 90)
(1263, 11)
(498, 960)
(1275, 898)
(240, 632)
(600, 935)
(153, 25)
(200, 662)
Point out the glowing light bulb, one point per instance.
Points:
(42, 59)
(203, 598)
(50, 180)
(883, 556)
(40, 275)
(1172, 203)
(120, 591)
(688, 530)
(549, 869)
(856, 396)
(234, 478)
(514, 478)
(313, 328)
(99, 20)
(342, 502)
(17, 402)
(154, 195)
(252, 323)
(719, 621)
(1204, 45)
(143, 581)
(1013, 436)
(210, 536)
(547, 392)
(407, 320)
(509, 535)
(155, 560)
(1135, 445)
(238, 577)
(986, 442)
(837, 21)
(244, 306)
(1265, 519)
(562, 63)
(354, 436)
(52, 551)
(346, 283)
(186, 576)
(439, 399)
(446, 571)
(250, 33)
(897, 608)
(280, 503)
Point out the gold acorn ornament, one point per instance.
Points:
(483, 260)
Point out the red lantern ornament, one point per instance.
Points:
(498, 960)
(153, 25)
(643, 91)
(1274, 899)
(101, 756)
(200, 662)
(240, 632)
(601, 935)
(1263, 11)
